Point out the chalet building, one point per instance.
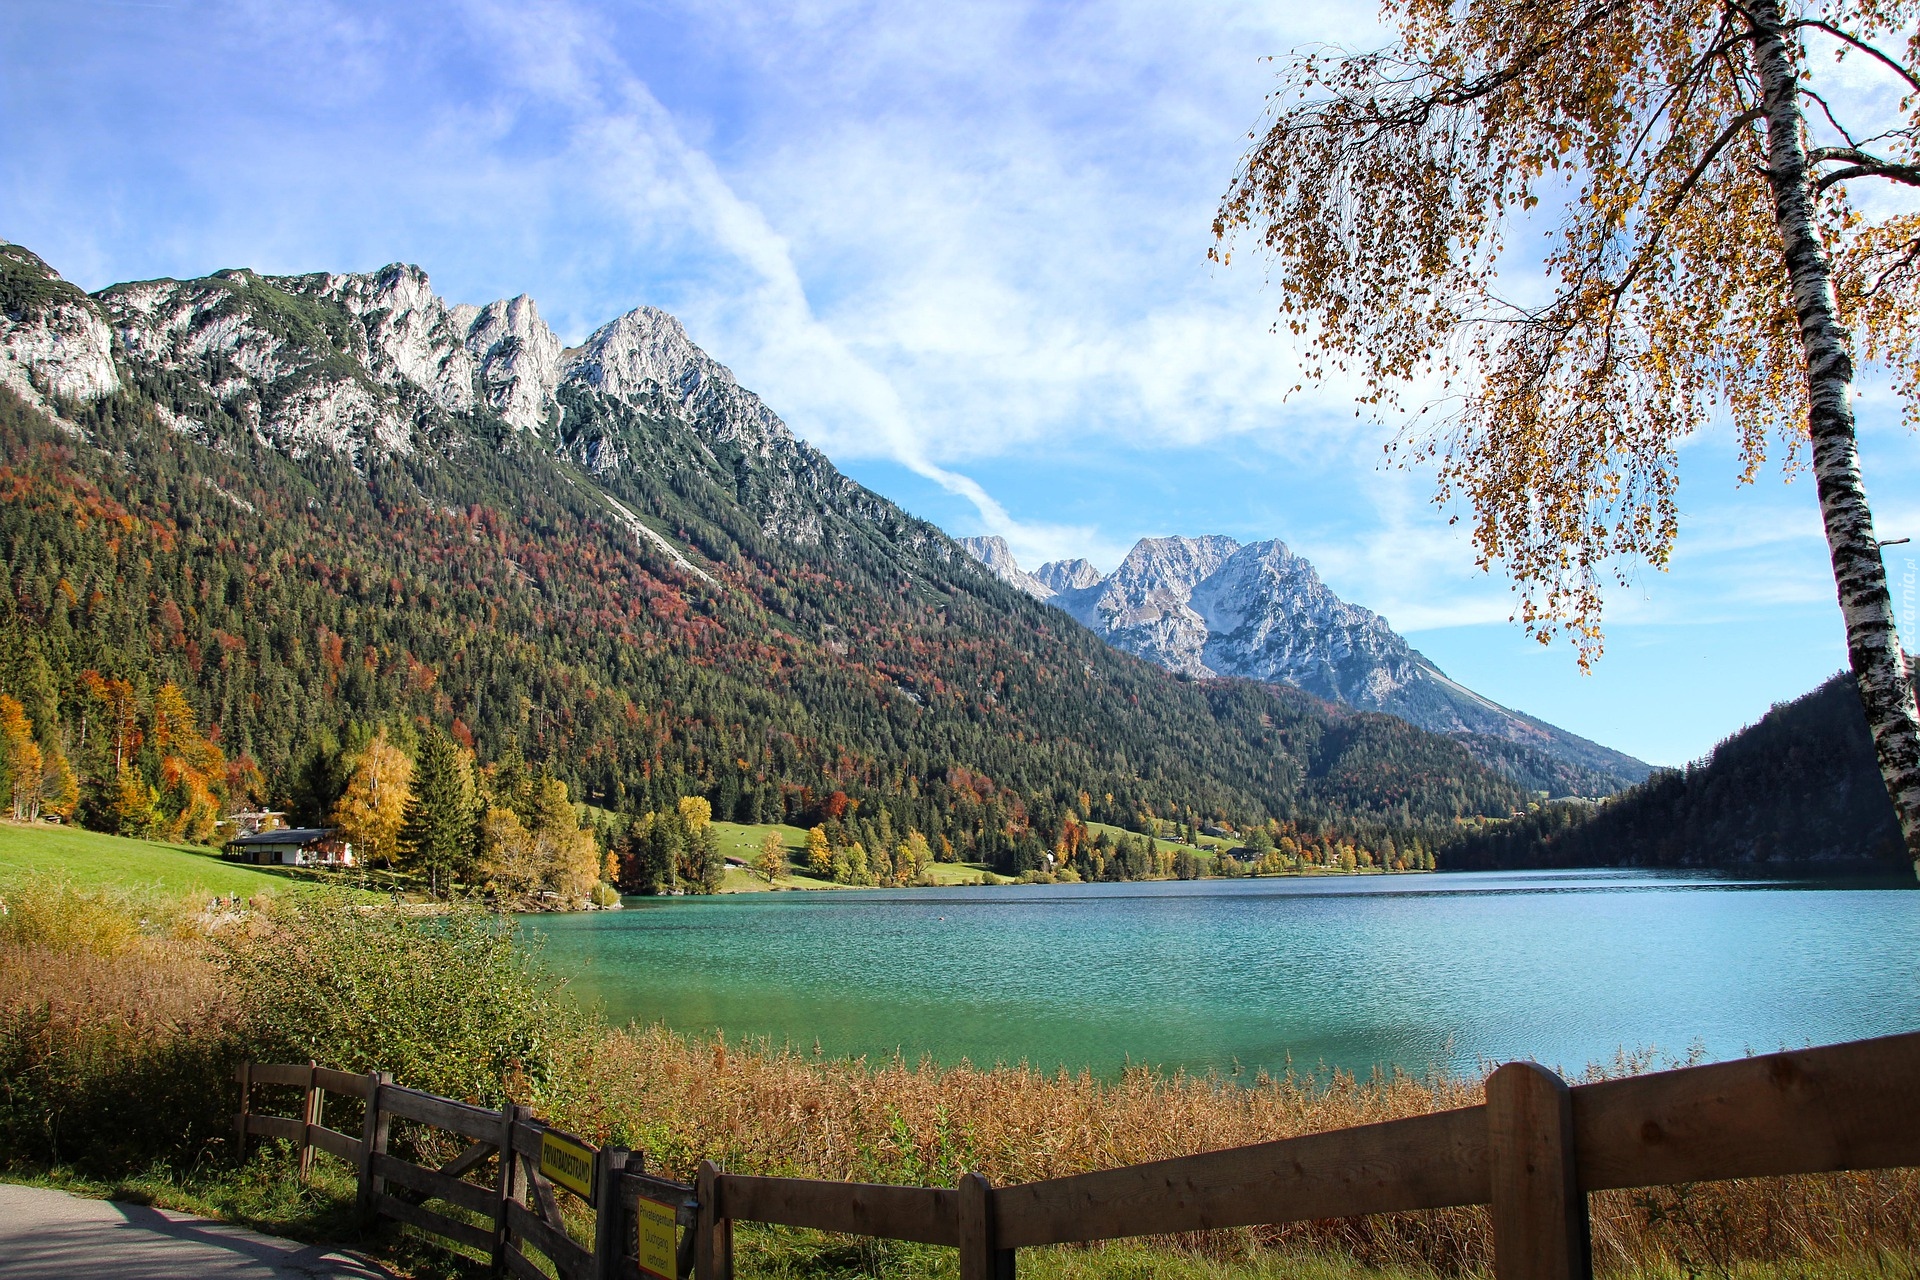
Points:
(298, 847)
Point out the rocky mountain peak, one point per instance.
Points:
(647, 353)
(519, 359)
(53, 339)
(1164, 571)
(1066, 575)
(1211, 607)
(992, 552)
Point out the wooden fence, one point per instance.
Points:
(1532, 1152)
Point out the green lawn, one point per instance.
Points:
(88, 859)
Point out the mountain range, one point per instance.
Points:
(1208, 606)
(319, 501)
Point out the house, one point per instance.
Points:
(254, 821)
(299, 847)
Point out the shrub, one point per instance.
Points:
(452, 1003)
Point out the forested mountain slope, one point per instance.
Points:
(1798, 786)
(315, 500)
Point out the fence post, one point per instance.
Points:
(712, 1234)
(1540, 1229)
(373, 1142)
(509, 1183)
(244, 1074)
(309, 1116)
(609, 1222)
(979, 1260)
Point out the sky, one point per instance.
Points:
(961, 247)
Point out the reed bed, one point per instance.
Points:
(120, 1024)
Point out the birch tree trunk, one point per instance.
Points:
(1873, 642)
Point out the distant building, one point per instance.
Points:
(254, 822)
(299, 847)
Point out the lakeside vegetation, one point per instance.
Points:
(121, 1019)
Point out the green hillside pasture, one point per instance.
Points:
(89, 860)
(742, 840)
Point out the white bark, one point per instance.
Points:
(1873, 642)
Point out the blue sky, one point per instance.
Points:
(959, 246)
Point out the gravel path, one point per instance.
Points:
(51, 1235)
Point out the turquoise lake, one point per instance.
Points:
(1360, 971)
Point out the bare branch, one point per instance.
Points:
(1913, 81)
(1860, 165)
(1828, 112)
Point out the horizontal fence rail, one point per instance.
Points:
(1532, 1152)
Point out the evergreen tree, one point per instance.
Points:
(437, 836)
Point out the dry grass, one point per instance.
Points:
(758, 1110)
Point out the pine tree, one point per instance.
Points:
(437, 836)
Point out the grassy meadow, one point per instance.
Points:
(742, 840)
(118, 1035)
(88, 859)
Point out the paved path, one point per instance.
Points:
(50, 1235)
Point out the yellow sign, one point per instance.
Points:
(653, 1224)
(567, 1162)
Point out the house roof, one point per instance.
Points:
(294, 835)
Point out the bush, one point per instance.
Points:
(451, 1003)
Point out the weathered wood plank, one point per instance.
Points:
(520, 1265)
(609, 1227)
(712, 1233)
(293, 1074)
(472, 1158)
(925, 1214)
(441, 1113)
(509, 1182)
(1539, 1212)
(242, 1076)
(373, 1141)
(542, 1191)
(334, 1143)
(1843, 1106)
(310, 1115)
(277, 1127)
(438, 1223)
(1422, 1162)
(526, 1135)
(431, 1182)
(347, 1083)
(973, 1224)
(569, 1257)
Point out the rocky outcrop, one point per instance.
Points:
(519, 359)
(1066, 575)
(993, 552)
(54, 344)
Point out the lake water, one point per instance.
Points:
(1415, 971)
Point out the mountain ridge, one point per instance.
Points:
(1210, 606)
